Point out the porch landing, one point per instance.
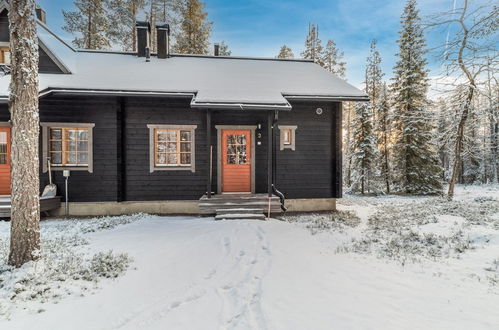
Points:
(239, 206)
(46, 204)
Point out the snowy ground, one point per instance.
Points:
(383, 263)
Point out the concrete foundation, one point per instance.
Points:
(177, 207)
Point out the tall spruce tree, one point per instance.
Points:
(124, 14)
(195, 29)
(374, 76)
(382, 132)
(364, 148)
(313, 46)
(89, 24)
(285, 52)
(416, 167)
(332, 59)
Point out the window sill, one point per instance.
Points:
(173, 168)
(70, 168)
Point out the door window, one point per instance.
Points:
(3, 147)
(236, 149)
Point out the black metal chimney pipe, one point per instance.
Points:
(143, 33)
(163, 40)
(216, 51)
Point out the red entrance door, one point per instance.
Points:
(236, 161)
(4, 160)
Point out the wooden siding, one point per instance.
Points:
(121, 161)
(101, 185)
(307, 172)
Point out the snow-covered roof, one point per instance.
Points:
(216, 82)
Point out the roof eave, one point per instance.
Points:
(332, 98)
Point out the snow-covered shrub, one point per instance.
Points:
(109, 265)
(65, 267)
(337, 220)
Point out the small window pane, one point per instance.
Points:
(231, 159)
(161, 147)
(242, 159)
(171, 147)
(82, 146)
(287, 136)
(171, 159)
(56, 134)
(71, 135)
(56, 158)
(171, 135)
(56, 146)
(185, 159)
(161, 159)
(185, 147)
(241, 139)
(72, 146)
(82, 158)
(83, 134)
(162, 136)
(3, 159)
(185, 135)
(71, 157)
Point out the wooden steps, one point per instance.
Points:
(239, 206)
(46, 204)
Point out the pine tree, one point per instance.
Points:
(364, 149)
(332, 59)
(223, 49)
(89, 24)
(164, 11)
(23, 107)
(124, 14)
(285, 52)
(416, 164)
(195, 30)
(382, 133)
(313, 46)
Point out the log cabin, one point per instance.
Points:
(181, 134)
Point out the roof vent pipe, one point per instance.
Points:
(163, 40)
(143, 36)
(216, 51)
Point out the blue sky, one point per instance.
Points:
(260, 27)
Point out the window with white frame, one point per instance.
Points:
(68, 146)
(172, 147)
(287, 137)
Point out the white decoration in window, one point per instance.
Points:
(287, 137)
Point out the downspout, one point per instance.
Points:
(274, 164)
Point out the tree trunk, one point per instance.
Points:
(25, 186)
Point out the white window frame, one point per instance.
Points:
(292, 129)
(45, 146)
(152, 148)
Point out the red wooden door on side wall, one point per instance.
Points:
(236, 161)
(4, 160)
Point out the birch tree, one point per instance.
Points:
(465, 53)
(23, 106)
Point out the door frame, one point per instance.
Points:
(220, 128)
(8, 124)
